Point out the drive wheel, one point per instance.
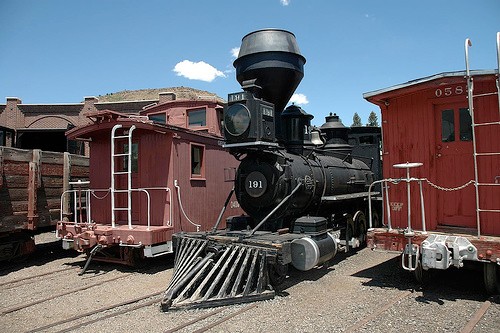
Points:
(360, 224)
(349, 232)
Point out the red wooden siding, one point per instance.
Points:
(202, 198)
(411, 126)
(164, 160)
(176, 114)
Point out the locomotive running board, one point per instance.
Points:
(237, 274)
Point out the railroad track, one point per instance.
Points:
(362, 293)
(124, 307)
(213, 316)
(393, 302)
(54, 296)
(33, 278)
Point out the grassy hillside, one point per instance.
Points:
(152, 94)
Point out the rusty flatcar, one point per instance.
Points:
(151, 175)
(441, 151)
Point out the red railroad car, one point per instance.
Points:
(151, 175)
(441, 151)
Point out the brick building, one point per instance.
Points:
(43, 126)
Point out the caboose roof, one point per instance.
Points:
(377, 95)
(106, 119)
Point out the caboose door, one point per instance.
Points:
(454, 166)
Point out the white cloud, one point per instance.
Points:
(299, 99)
(197, 71)
(285, 2)
(235, 51)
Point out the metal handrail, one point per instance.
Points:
(88, 207)
(167, 189)
(385, 193)
(176, 184)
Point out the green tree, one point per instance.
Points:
(373, 120)
(356, 120)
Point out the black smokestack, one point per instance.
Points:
(273, 58)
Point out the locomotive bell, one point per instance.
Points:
(272, 58)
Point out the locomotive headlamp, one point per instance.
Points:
(248, 121)
(237, 119)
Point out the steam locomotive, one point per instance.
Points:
(304, 192)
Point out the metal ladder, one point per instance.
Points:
(115, 174)
(470, 97)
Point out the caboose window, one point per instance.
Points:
(465, 125)
(197, 118)
(197, 161)
(447, 126)
(160, 118)
(135, 157)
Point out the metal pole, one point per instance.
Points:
(129, 178)
(470, 97)
(388, 206)
(219, 219)
(408, 197)
(113, 131)
(422, 207)
(498, 71)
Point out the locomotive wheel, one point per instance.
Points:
(360, 224)
(491, 275)
(349, 232)
(277, 274)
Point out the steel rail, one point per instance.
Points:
(25, 305)
(208, 315)
(378, 312)
(96, 311)
(33, 277)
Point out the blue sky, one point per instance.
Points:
(58, 51)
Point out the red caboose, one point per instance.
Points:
(441, 151)
(151, 175)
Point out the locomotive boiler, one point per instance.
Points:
(304, 193)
